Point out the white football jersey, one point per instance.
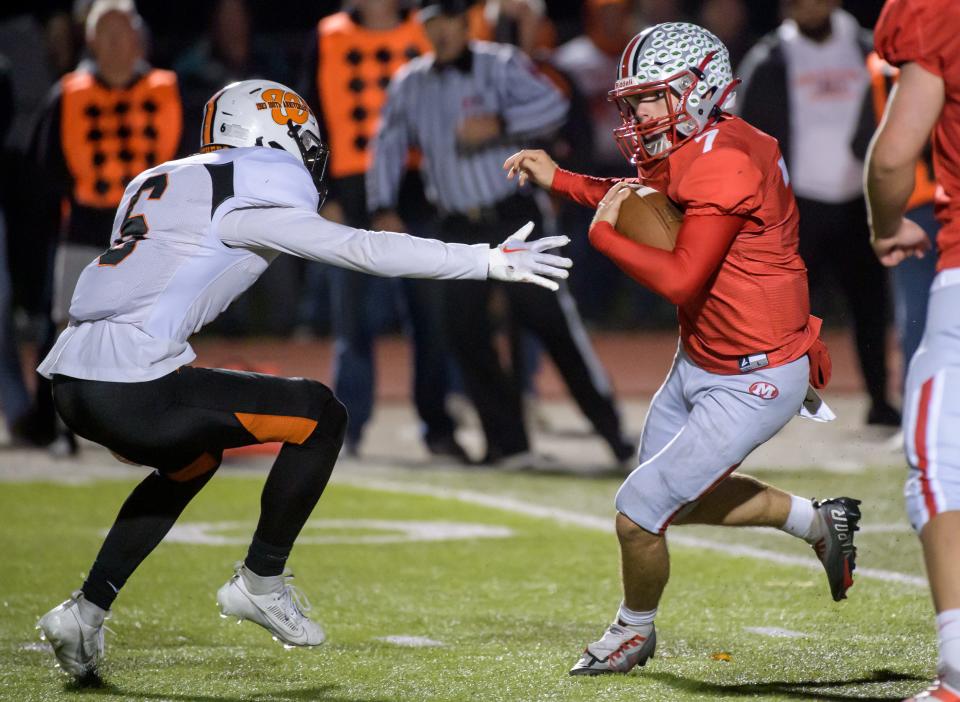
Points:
(192, 235)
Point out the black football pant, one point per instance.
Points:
(551, 317)
(835, 243)
(180, 425)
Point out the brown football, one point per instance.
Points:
(649, 217)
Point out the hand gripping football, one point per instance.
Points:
(649, 217)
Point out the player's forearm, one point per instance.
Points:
(583, 189)
(660, 271)
(677, 275)
(914, 107)
(887, 186)
(307, 235)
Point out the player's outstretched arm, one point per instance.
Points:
(915, 105)
(536, 166)
(305, 234)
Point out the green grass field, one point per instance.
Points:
(510, 613)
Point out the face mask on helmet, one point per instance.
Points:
(654, 133)
(674, 80)
(314, 154)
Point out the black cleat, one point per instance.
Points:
(841, 517)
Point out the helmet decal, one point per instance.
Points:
(284, 105)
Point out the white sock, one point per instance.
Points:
(948, 640)
(91, 614)
(803, 520)
(635, 619)
(261, 584)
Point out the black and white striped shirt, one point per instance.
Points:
(426, 104)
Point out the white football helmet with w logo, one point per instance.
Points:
(265, 113)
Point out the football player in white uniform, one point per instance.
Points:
(189, 237)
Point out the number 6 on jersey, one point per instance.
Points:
(134, 227)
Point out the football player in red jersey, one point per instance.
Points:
(920, 36)
(748, 345)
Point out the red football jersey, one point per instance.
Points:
(927, 32)
(757, 301)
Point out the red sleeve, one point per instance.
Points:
(680, 274)
(917, 31)
(583, 189)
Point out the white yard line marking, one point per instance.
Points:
(775, 632)
(211, 533)
(411, 641)
(605, 524)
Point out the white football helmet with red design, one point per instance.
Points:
(265, 113)
(690, 67)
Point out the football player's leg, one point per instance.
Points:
(180, 424)
(726, 423)
(931, 410)
(669, 411)
(645, 565)
(128, 418)
(644, 559)
(248, 408)
(740, 500)
(310, 422)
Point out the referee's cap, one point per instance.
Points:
(434, 8)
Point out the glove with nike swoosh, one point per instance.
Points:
(517, 261)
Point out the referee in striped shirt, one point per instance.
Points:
(467, 107)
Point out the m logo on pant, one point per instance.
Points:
(768, 391)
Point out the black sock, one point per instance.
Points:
(266, 559)
(99, 589)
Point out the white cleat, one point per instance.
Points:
(280, 612)
(619, 649)
(77, 645)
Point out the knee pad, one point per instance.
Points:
(326, 409)
(335, 419)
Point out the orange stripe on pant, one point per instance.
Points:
(205, 463)
(277, 427)
(920, 442)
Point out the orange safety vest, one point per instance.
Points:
(354, 67)
(109, 135)
(882, 78)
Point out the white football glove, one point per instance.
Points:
(516, 261)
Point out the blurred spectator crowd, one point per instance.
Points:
(169, 68)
